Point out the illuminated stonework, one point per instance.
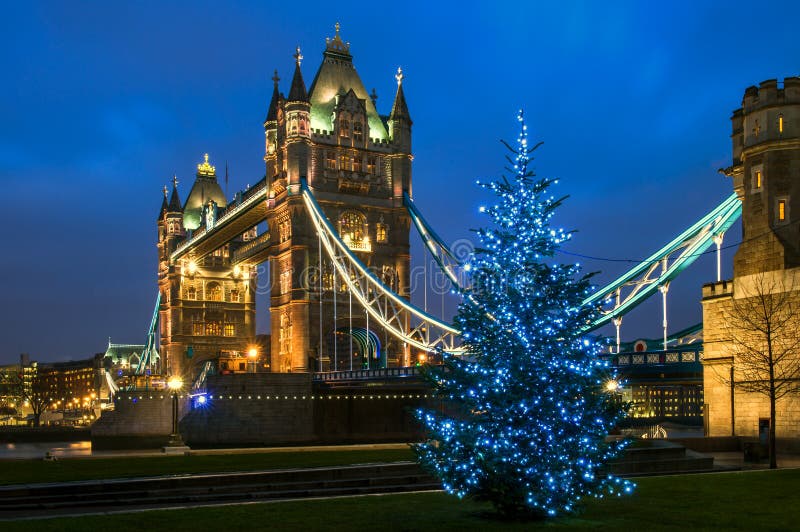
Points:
(358, 163)
(766, 162)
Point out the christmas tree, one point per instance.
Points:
(526, 412)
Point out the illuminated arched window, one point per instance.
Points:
(214, 292)
(353, 230)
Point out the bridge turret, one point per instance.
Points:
(170, 222)
(400, 132)
(766, 159)
(297, 124)
(271, 133)
(205, 189)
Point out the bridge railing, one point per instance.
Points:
(249, 246)
(638, 358)
(367, 374)
(248, 197)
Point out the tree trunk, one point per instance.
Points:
(773, 458)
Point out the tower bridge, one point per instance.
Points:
(337, 204)
(337, 209)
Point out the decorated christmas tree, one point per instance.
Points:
(526, 412)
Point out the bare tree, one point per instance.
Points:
(763, 324)
(33, 393)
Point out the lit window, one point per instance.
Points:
(197, 328)
(757, 177)
(344, 128)
(371, 165)
(782, 210)
(330, 160)
(230, 329)
(345, 162)
(357, 164)
(358, 131)
(213, 328)
(353, 230)
(191, 293)
(381, 232)
(214, 292)
(780, 123)
(235, 295)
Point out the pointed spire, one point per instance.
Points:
(272, 112)
(174, 200)
(297, 93)
(400, 108)
(164, 206)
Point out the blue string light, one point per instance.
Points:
(527, 414)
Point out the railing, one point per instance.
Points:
(367, 374)
(251, 245)
(248, 198)
(358, 245)
(657, 358)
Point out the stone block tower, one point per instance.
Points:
(766, 177)
(358, 165)
(207, 305)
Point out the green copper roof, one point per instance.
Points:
(336, 76)
(205, 188)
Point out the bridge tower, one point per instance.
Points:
(207, 305)
(766, 177)
(358, 164)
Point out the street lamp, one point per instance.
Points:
(252, 355)
(175, 384)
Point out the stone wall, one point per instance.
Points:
(252, 409)
(720, 356)
(139, 420)
(288, 408)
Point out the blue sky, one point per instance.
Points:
(101, 102)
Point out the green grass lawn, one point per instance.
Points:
(28, 471)
(763, 500)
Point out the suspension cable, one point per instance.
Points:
(335, 323)
(319, 243)
(350, 313)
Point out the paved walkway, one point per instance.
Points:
(736, 459)
(77, 451)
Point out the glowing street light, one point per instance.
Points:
(252, 355)
(175, 384)
(612, 386)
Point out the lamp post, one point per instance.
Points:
(252, 358)
(175, 384)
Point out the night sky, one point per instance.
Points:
(101, 102)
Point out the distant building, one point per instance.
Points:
(73, 385)
(663, 385)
